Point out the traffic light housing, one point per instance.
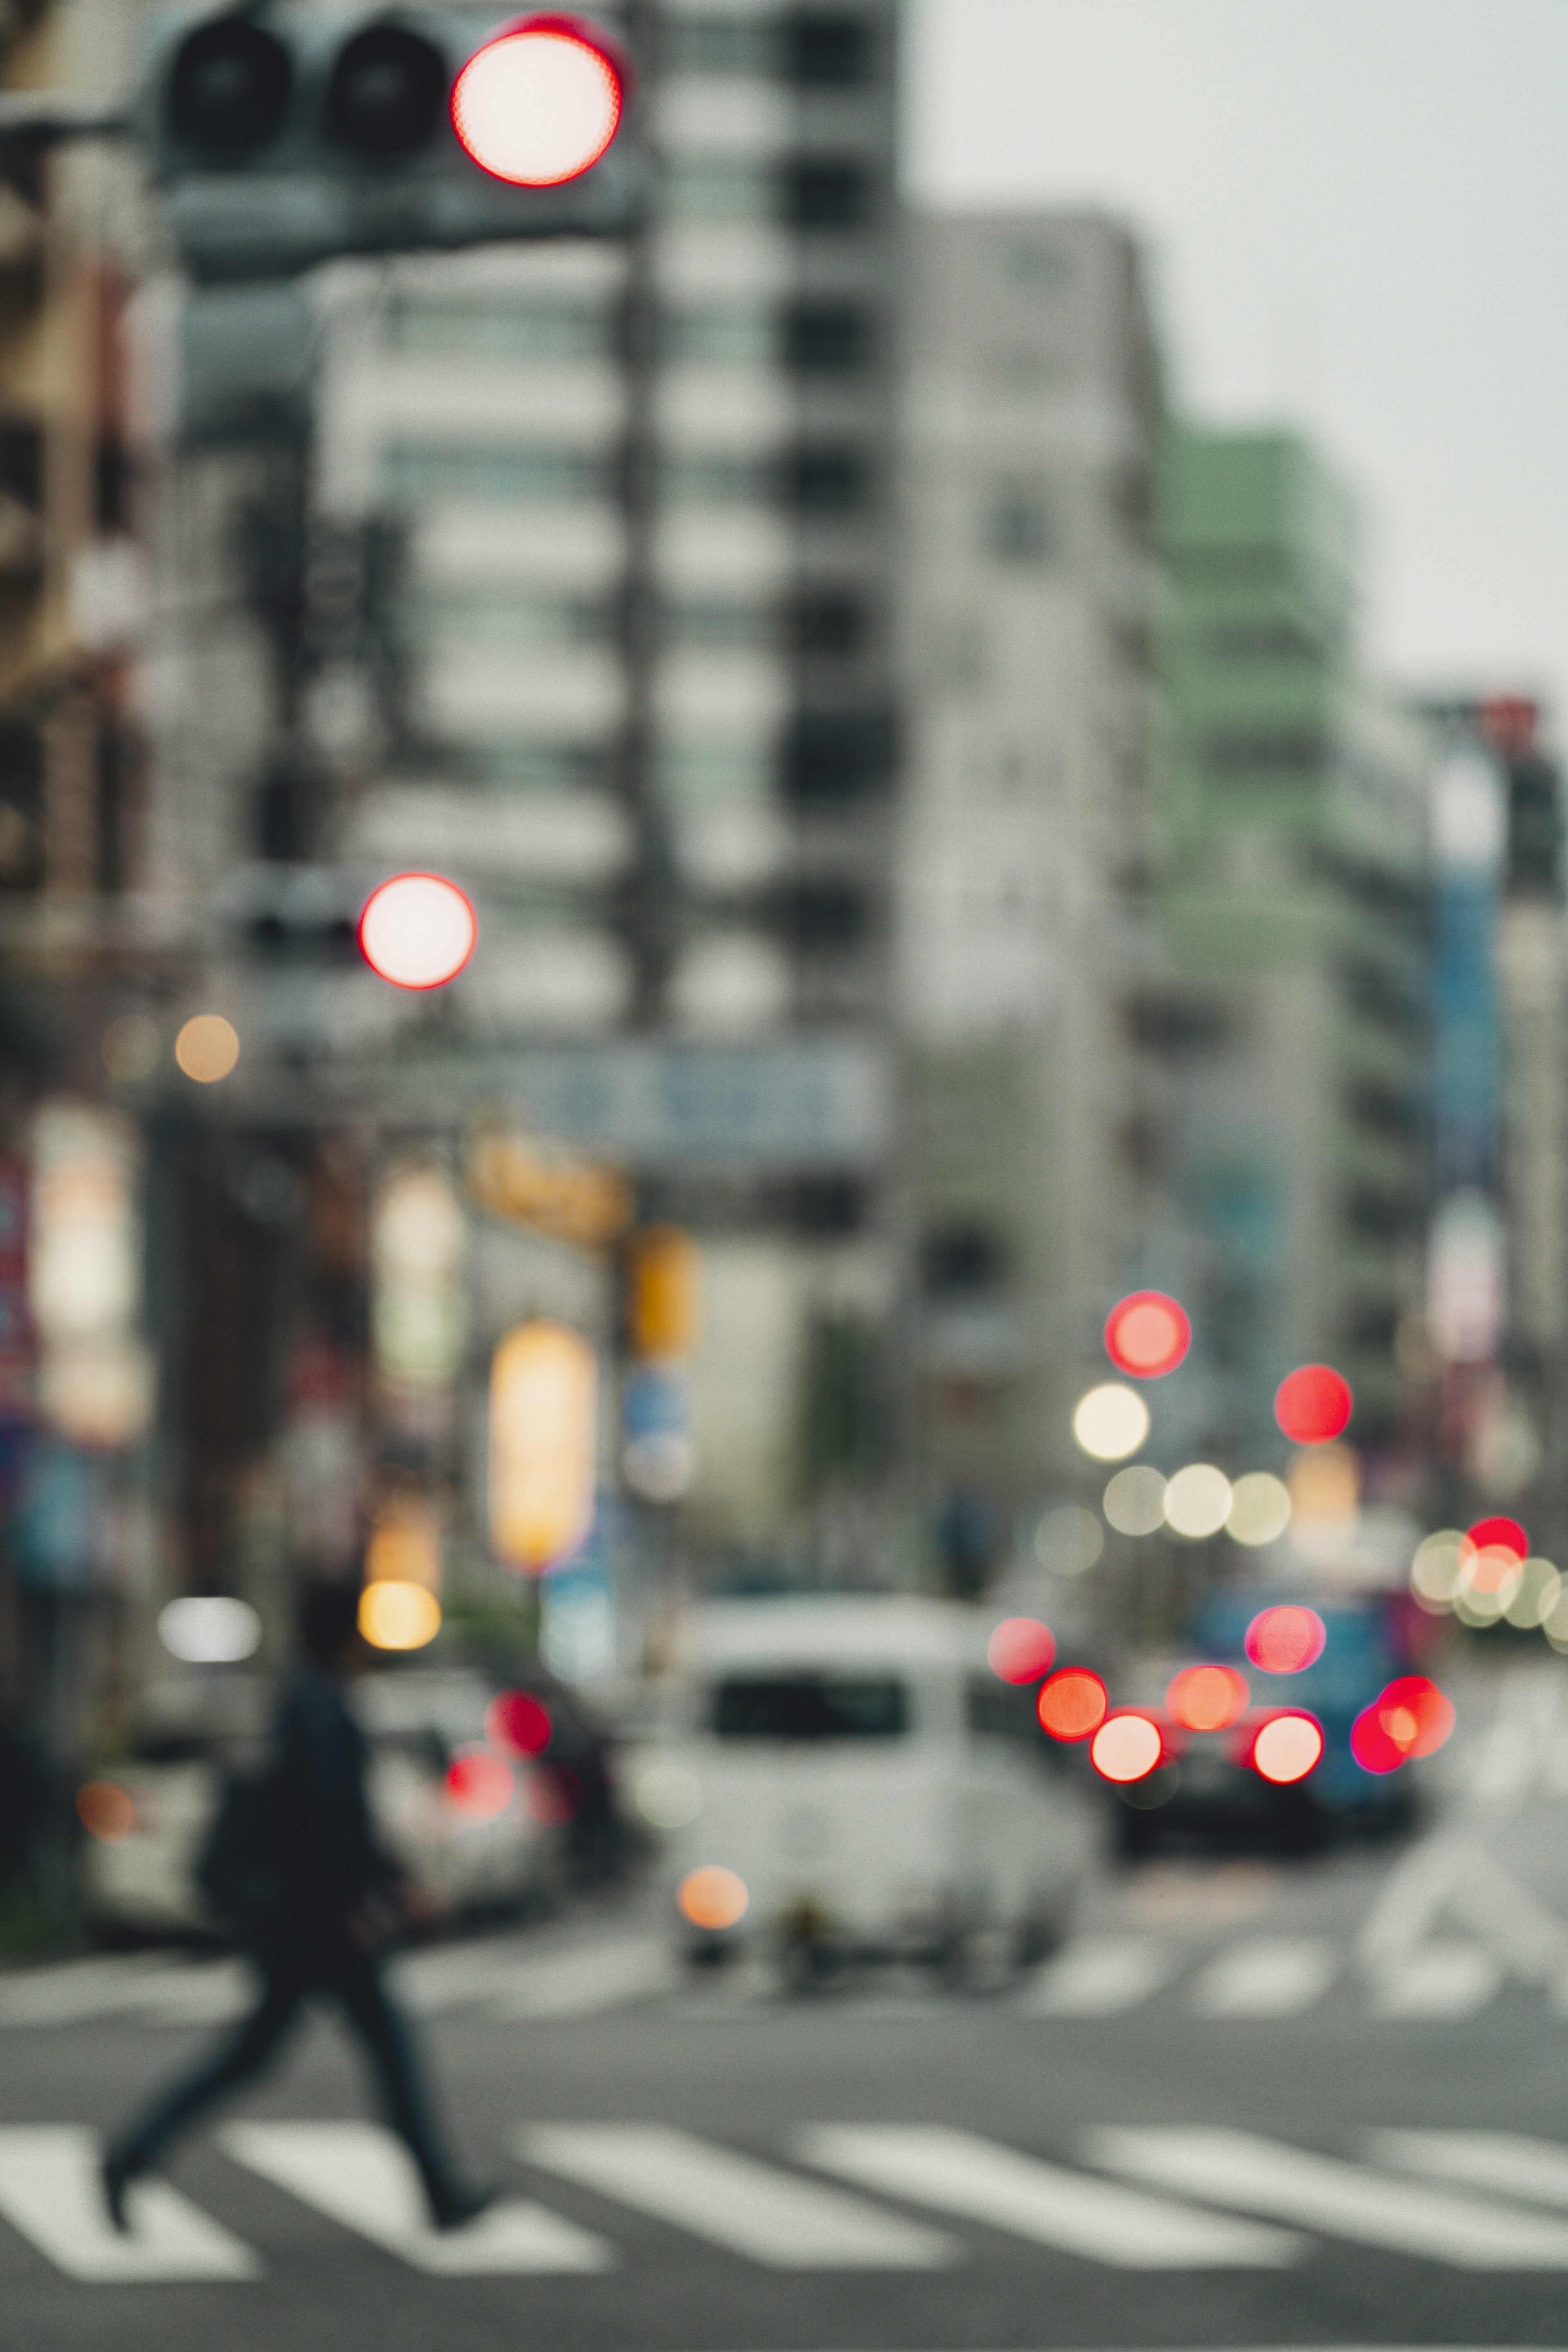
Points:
(283, 136)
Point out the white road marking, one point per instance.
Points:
(49, 2191)
(1346, 2200)
(958, 2172)
(362, 2176)
(1270, 1977)
(581, 1984)
(1100, 1977)
(1509, 2163)
(732, 2200)
(77, 1989)
(1440, 1980)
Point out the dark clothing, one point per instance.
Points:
(289, 1973)
(332, 1868)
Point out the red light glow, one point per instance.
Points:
(1287, 1747)
(1498, 1535)
(1416, 1715)
(1147, 1335)
(1286, 1641)
(1312, 1404)
(555, 1796)
(1206, 1699)
(1372, 1746)
(418, 931)
(518, 1724)
(1125, 1747)
(479, 1783)
(1072, 1703)
(1021, 1650)
(540, 104)
(107, 1812)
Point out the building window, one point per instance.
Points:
(832, 758)
(482, 474)
(962, 1260)
(720, 335)
(719, 187)
(827, 338)
(1018, 525)
(717, 45)
(828, 48)
(827, 195)
(825, 478)
(1294, 754)
(423, 328)
(486, 620)
(1262, 641)
(828, 621)
(826, 916)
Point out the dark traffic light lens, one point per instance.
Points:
(387, 93)
(228, 92)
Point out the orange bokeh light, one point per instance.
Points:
(1072, 1703)
(712, 1896)
(1021, 1650)
(1147, 1335)
(1285, 1641)
(1206, 1699)
(479, 1783)
(1287, 1747)
(1125, 1747)
(1314, 1404)
(106, 1810)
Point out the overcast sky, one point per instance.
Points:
(1357, 214)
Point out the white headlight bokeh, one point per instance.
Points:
(210, 1630)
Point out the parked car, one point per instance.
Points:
(470, 1827)
(854, 1783)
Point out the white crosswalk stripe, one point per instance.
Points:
(1346, 2200)
(1266, 1977)
(49, 2191)
(958, 2172)
(734, 2201)
(1100, 1977)
(1510, 2164)
(361, 2176)
(1438, 1980)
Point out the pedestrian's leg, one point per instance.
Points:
(399, 2076)
(242, 2054)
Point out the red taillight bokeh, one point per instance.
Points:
(1286, 1640)
(1127, 1747)
(518, 1723)
(1287, 1747)
(1021, 1650)
(1410, 1717)
(479, 1783)
(540, 104)
(1312, 1404)
(1147, 1335)
(1072, 1703)
(1207, 1699)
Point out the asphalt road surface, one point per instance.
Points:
(1251, 2104)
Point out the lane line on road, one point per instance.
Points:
(1441, 1980)
(734, 2201)
(1510, 2163)
(1100, 1977)
(959, 2172)
(49, 2191)
(362, 2176)
(1346, 2200)
(1268, 1976)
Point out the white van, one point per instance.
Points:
(874, 1788)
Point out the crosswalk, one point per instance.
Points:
(1098, 1976)
(828, 2197)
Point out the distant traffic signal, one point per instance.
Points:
(281, 136)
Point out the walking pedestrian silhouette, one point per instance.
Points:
(321, 1906)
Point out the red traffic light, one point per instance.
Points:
(418, 931)
(540, 103)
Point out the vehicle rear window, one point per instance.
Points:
(810, 1706)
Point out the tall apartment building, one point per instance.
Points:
(634, 509)
(1297, 895)
(1033, 410)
